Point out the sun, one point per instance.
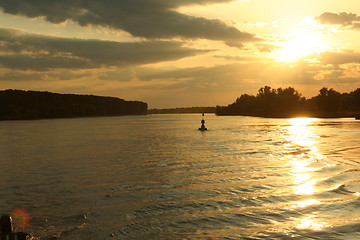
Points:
(299, 45)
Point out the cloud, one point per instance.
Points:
(219, 78)
(25, 62)
(242, 58)
(22, 50)
(150, 19)
(266, 48)
(338, 58)
(343, 19)
(20, 76)
(333, 67)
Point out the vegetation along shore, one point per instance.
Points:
(288, 102)
(268, 102)
(22, 105)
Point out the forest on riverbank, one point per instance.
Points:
(21, 105)
(182, 110)
(288, 102)
(268, 102)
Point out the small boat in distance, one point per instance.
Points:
(202, 128)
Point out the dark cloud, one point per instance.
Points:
(151, 19)
(344, 19)
(20, 76)
(25, 62)
(21, 50)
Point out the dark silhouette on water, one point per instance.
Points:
(202, 128)
(289, 103)
(7, 230)
(18, 105)
(6, 224)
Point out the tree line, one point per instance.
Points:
(182, 110)
(288, 102)
(19, 105)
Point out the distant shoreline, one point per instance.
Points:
(288, 103)
(268, 103)
(182, 110)
(275, 117)
(32, 105)
(324, 116)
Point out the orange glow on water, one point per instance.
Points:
(21, 218)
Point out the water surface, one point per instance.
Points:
(158, 177)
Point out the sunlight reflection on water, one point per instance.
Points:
(301, 152)
(300, 132)
(306, 203)
(302, 136)
(312, 223)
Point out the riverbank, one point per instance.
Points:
(27, 105)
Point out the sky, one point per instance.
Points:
(179, 53)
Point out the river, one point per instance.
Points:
(158, 177)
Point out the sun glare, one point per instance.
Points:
(312, 223)
(302, 153)
(299, 45)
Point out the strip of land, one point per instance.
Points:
(24, 105)
(288, 102)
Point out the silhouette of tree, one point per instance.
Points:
(288, 102)
(267, 103)
(352, 101)
(182, 110)
(17, 104)
(329, 100)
